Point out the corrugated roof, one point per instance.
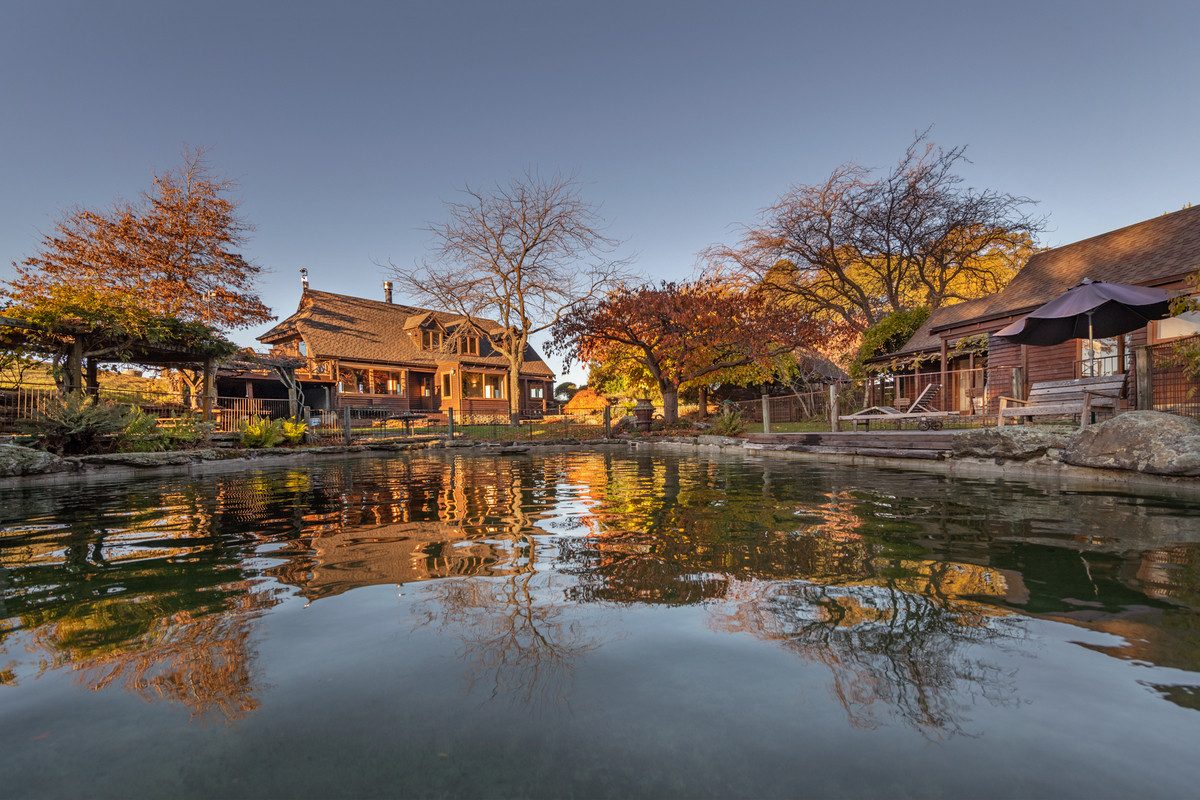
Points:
(357, 329)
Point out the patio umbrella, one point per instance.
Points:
(1089, 310)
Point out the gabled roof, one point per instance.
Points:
(1152, 252)
(357, 329)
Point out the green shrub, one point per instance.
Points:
(728, 423)
(187, 430)
(141, 434)
(259, 432)
(74, 424)
(293, 431)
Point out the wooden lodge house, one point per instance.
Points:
(376, 353)
(956, 349)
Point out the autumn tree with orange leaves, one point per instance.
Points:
(166, 267)
(683, 333)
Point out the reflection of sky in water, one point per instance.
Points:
(486, 625)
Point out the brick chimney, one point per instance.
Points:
(387, 291)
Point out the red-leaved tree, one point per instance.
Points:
(683, 333)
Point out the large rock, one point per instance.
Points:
(16, 461)
(164, 459)
(1008, 443)
(1145, 441)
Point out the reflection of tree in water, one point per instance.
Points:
(517, 635)
(202, 662)
(895, 629)
(151, 596)
(882, 645)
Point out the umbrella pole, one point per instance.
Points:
(1091, 344)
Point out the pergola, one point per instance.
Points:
(80, 370)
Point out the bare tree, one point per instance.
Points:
(861, 245)
(521, 255)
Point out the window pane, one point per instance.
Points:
(1184, 325)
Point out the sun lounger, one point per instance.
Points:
(921, 410)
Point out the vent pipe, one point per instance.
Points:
(304, 277)
(387, 291)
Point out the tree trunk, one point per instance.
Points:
(514, 391)
(92, 380)
(703, 402)
(670, 404)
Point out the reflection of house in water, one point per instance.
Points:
(392, 554)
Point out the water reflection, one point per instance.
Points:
(905, 587)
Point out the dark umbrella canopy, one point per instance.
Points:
(1091, 310)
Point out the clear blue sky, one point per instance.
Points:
(347, 124)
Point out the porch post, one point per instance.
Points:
(73, 369)
(944, 390)
(92, 380)
(208, 399)
(1143, 364)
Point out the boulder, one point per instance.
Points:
(1008, 443)
(16, 461)
(1146, 441)
(165, 459)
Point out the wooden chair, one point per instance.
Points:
(1081, 396)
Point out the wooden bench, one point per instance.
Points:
(1081, 396)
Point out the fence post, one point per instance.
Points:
(450, 422)
(833, 407)
(766, 413)
(608, 422)
(1143, 364)
(346, 425)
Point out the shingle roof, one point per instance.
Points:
(355, 328)
(1154, 251)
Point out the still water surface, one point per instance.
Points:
(596, 624)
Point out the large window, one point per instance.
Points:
(1177, 327)
(483, 385)
(353, 380)
(537, 391)
(447, 380)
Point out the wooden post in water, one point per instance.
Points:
(608, 422)
(833, 407)
(1143, 364)
(346, 432)
(766, 413)
(450, 422)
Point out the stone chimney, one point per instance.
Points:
(304, 277)
(387, 291)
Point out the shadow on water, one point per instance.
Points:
(903, 586)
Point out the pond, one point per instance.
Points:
(596, 624)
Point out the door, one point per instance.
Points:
(420, 387)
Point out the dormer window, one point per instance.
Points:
(431, 339)
(469, 346)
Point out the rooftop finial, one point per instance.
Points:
(304, 277)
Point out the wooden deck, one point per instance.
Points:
(927, 445)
